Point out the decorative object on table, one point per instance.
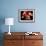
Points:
(26, 15)
(9, 21)
(30, 33)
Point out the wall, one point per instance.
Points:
(9, 8)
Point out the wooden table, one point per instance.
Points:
(20, 39)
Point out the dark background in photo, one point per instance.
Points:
(26, 15)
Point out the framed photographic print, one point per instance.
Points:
(26, 15)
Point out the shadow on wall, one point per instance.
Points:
(2, 21)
